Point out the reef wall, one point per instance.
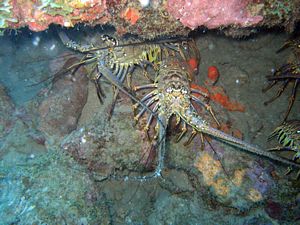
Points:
(151, 18)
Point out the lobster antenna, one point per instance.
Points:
(218, 158)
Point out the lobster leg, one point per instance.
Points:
(143, 110)
(112, 79)
(275, 77)
(284, 46)
(279, 92)
(278, 148)
(161, 148)
(269, 86)
(193, 135)
(183, 132)
(146, 86)
(205, 95)
(146, 97)
(161, 151)
(120, 76)
(292, 99)
(99, 90)
(208, 108)
(149, 121)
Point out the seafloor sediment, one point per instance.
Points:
(57, 145)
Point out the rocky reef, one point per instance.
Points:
(65, 160)
(151, 18)
(213, 14)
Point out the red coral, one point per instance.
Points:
(212, 13)
(193, 63)
(95, 14)
(212, 75)
(218, 95)
(131, 15)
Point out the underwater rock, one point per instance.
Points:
(104, 146)
(50, 189)
(60, 111)
(261, 178)
(151, 19)
(130, 16)
(234, 180)
(274, 209)
(6, 113)
(212, 14)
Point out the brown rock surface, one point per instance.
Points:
(60, 111)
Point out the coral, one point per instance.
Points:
(5, 14)
(149, 22)
(151, 19)
(131, 15)
(279, 10)
(218, 95)
(211, 168)
(193, 63)
(294, 18)
(212, 13)
(38, 15)
(212, 172)
(213, 74)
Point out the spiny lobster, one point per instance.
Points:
(289, 72)
(172, 95)
(288, 135)
(121, 57)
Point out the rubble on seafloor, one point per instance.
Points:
(157, 18)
